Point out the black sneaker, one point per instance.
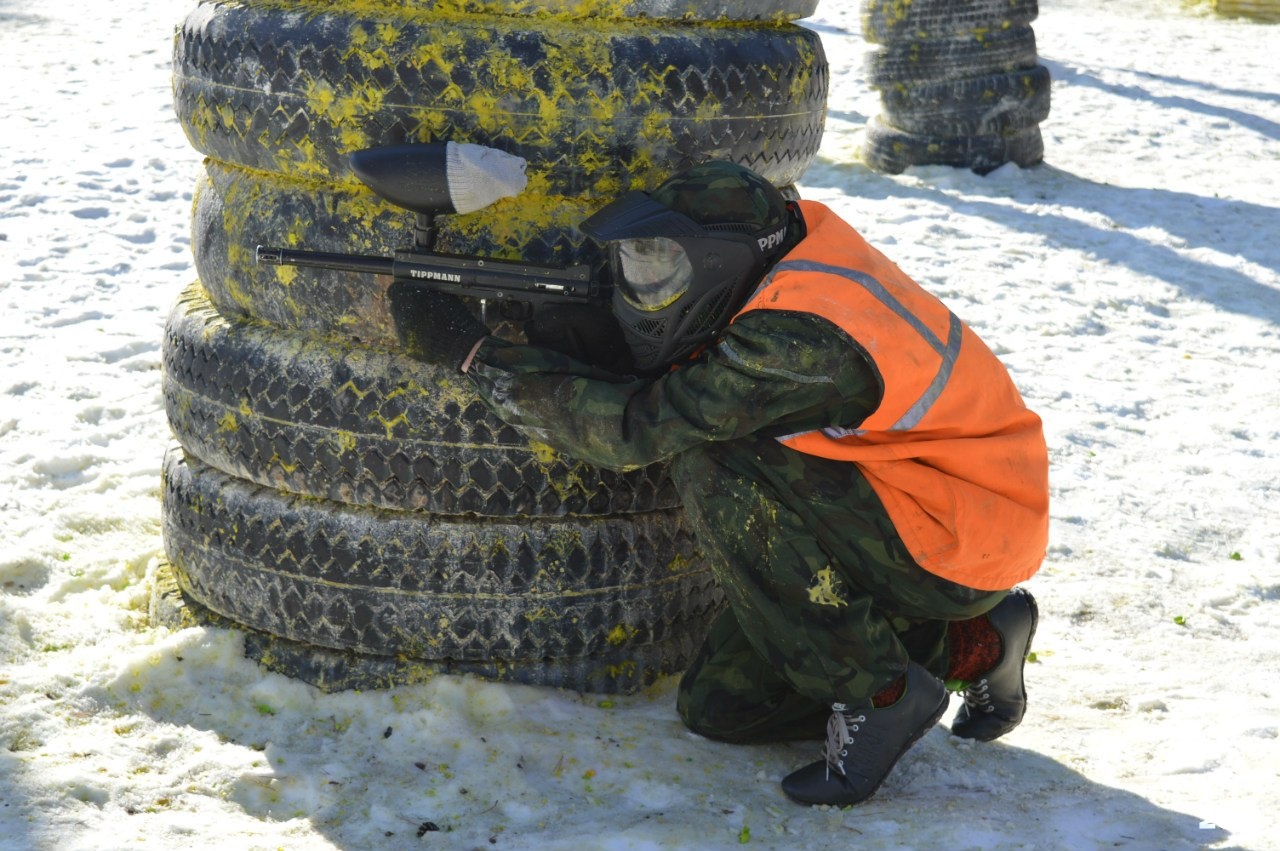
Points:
(863, 745)
(995, 703)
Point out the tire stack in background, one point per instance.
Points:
(959, 84)
(361, 515)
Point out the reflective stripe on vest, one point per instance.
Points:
(955, 456)
(947, 351)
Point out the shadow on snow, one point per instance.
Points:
(1130, 236)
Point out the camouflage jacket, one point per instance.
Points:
(771, 373)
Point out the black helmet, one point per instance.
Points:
(684, 257)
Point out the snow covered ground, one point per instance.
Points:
(1130, 283)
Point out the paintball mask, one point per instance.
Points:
(684, 258)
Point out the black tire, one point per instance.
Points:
(595, 110)
(892, 151)
(673, 10)
(692, 10)
(425, 587)
(1265, 11)
(624, 669)
(996, 104)
(237, 209)
(318, 418)
(892, 21)
(916, 61)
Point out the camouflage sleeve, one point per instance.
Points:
(772, 372)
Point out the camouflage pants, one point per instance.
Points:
(825, 603)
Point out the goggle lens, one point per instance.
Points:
(651, 272)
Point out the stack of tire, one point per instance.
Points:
(959, 84)
(362, 516)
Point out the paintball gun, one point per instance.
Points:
(438, 178)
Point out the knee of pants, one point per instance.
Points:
(721, 719)
(712, 712)
(740, 719)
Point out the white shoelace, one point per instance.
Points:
(976, 696)
(840, 730)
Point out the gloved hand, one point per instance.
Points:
(586, 332)
(434, 327)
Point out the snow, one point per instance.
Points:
(1130, 283)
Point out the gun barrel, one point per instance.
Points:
(325, 260)
(474, 277)
(487, 278)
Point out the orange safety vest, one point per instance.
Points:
(952, 451)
